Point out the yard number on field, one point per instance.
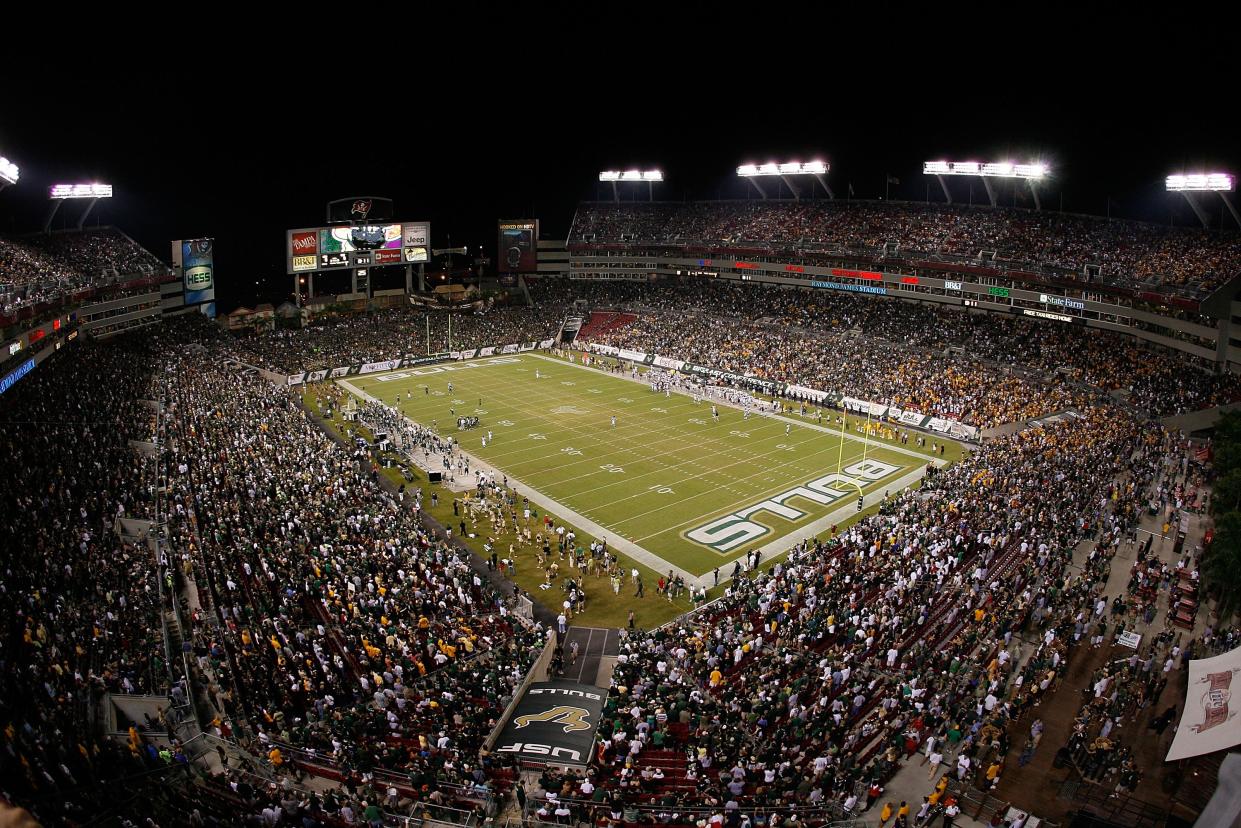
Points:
(661, 489)
(613, 468)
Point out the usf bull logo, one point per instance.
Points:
(573, 718)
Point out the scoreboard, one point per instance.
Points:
(518, 246)
(348, 246)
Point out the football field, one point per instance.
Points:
(693, 490)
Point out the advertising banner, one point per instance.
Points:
(305, 243)
(939, 424)
(670, 364)
(913, 418)
(416, 242)
(861, 406)
(754, 383)
(967, 432)
(197, 261)
(554, 722)
(606, 350)
(632, 356)
(801, 392)
(386, 365)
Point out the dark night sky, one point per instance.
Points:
(242, 158)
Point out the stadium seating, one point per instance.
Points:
(337, 635)
(1129, 254)
(44, 268)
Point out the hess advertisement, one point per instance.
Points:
(197, 261)
(518, 246)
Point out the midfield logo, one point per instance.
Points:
(727, 533)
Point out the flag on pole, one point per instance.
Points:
(850, 189)
(893, 179)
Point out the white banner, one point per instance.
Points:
(670, 364)
(547, 343)
(1208, 725)
(296, 379)
(939, 424)
(339, 372)
(860, 406)
(386, 365)
(801, 391)
(486, 352)
(912, 418)
(606, 350)
(969, 432)
(634, 356)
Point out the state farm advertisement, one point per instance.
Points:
(387, 257)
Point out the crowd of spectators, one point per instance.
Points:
(1126, 252)
(80, 605)
(335, 341)
(806, 685)
(333, 630)
(345, 628)
(336, 631)
(40, 268)
(895, 352)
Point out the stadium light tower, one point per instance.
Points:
(60, 193)
(787, 172)
(1030, 173)
(9, 173)
(614, 177)
(1222, 183)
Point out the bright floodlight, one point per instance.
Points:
(632, 175)
(81, 191)
(787, 168)
(8, 171)
(1202, 182)
(1000, 169)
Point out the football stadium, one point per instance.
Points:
(759, 492)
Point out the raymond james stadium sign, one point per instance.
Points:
(727, 533)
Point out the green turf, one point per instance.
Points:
(664, 469)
